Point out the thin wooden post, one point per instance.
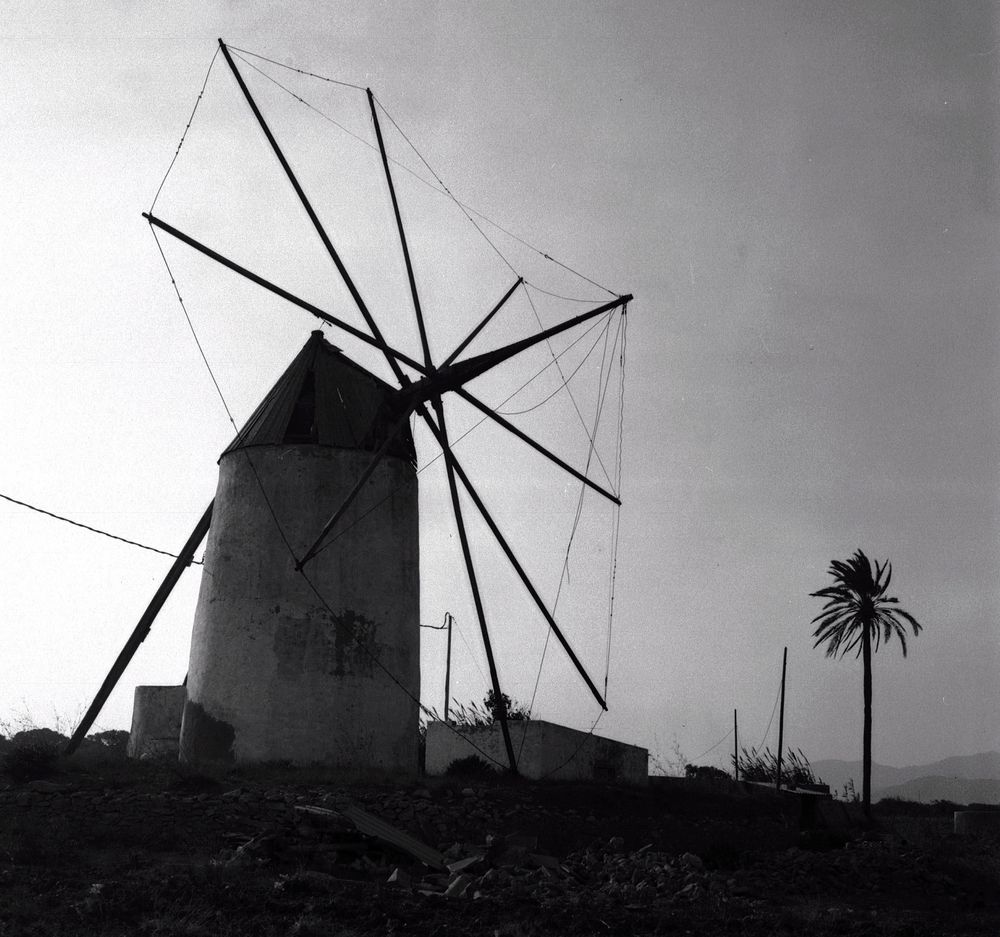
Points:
(447, 668)
(781, 720)
(736, 749)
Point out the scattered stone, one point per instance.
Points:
(459, 885)
(690, 861)
(465, 865)
(400, 878)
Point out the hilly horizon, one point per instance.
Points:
(960, 778)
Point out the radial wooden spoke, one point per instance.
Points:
(455, 467)
(441, 433)
(314, 218)
(524, 578)
(538, 447)
(461, 372)
(317, 545)
(284, 294)
(468, 339)
(402, 232)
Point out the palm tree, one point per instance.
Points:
(859, 614)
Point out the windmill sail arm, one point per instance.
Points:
(283, 293)
(537, 446)
(440, 431)
(482, 325)
(356, 490)
(456, 467)
(402, 232)
(380, 342)
(460, 372)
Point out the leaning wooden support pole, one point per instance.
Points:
(138, 635)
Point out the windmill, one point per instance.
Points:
(378, 454)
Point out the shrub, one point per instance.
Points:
(471, 766)
(706, 773)
(763, 766)
(31, 759)
(487, 713)
(114, 740)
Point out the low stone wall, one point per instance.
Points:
(543, 750)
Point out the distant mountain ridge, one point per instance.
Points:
(962, 779)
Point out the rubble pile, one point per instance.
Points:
(592, 853)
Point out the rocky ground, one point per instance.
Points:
(114, 848)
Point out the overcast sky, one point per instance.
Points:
(801, 196)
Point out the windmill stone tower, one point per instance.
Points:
(296, 667)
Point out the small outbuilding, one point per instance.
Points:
(546, 750)
(156, 721)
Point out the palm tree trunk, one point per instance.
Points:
(866, 769)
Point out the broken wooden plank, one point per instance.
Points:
(373, 826)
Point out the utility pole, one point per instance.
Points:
(736, 749)
(781, 720)
(447, 667)
(447, 623)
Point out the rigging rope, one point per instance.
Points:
(93, 530)
(194, 111)
(774, 709)
(545, 400)
(466, 209)
(284, 537)
(578, 748)
(444, 188)
(570, 299)
(334, 537)
(564, 574)
(301, 100)
(440, 187)
(218, 389)
(712, 749)
(555, 359)
(616, 522)
(292, 68)
(472, 653)
(576, 407)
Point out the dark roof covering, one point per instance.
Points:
(325, 399)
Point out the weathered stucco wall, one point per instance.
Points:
(156, 720)
(276, 675)
(548, 751)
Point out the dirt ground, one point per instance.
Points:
(114, 848)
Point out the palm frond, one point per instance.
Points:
(856, 602)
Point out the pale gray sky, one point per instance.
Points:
(802, 197)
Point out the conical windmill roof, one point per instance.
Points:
(325, 399)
